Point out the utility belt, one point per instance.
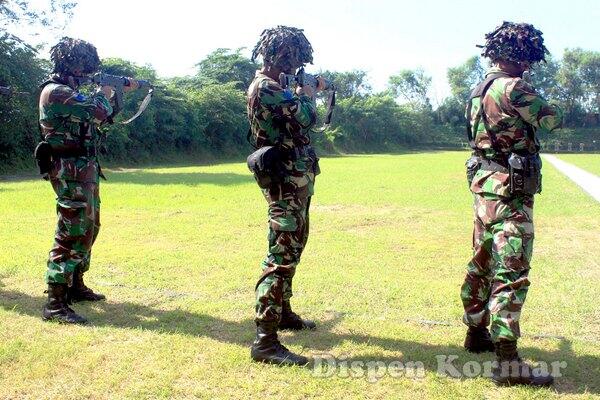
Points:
(268, 163)
(524, 171)
(44, 154)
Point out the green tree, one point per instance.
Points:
(20, 69)
(222, 110)
(22, 15)
(572, 89)
(464, 78)
(412, 86)
(349, 83)
(544, 79)
(224, 66)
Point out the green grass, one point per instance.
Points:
(178, 256)
(589, 162)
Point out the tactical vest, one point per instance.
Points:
(480, 92)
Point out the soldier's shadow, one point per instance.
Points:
(129, 315)
(580, 376)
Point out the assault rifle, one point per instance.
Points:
(302, 78)
(118, 83)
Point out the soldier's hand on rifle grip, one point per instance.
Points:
(107, 90)
(306, 90)
(133, 85)
(321, 84)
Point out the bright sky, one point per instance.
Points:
(379, 36)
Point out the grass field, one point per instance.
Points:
(178, 256)
(589, 162)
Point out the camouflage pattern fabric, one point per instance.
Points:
(509, 105)
(78, 211)
(278, 117)
(496, 283)
(497, 276)
(68, 120)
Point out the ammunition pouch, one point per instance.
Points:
(266, 164)
(472, 165)
(43, 157)
(525, 174)
(312, 155)
(44, 154)
(477, 162)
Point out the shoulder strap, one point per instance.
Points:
(49, 81)
(41, 87)
(480, 91)
(252, 94)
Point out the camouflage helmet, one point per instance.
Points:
(283, 46)
(515, 42)
(71, 54)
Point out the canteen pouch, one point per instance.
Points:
(266, 165)
(472, 164)
(525, 174)
(310, 152)
(43, 158)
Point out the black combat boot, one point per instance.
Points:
(511, 370)
(56, 309)
(292, 321)
(478, 340)
(267, 348)
(80, 292)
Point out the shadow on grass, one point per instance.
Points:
(135, 316)
(148, 177)
(580, 376)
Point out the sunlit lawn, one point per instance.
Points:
(178, 256)
(589, 162)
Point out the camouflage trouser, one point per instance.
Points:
(78, 210)
(288, 233)
(497, 276)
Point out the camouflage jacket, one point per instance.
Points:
(277, 116)
(510, 107)
(68, 120)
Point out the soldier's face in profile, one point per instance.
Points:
(79, 72)
(289, 68)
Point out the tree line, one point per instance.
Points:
(203, 116)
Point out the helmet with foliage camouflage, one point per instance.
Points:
(284, 47)
(71, 54)
(515, 42)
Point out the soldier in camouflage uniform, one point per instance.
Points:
(281, 118)
(69, 122)
(505, 117)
